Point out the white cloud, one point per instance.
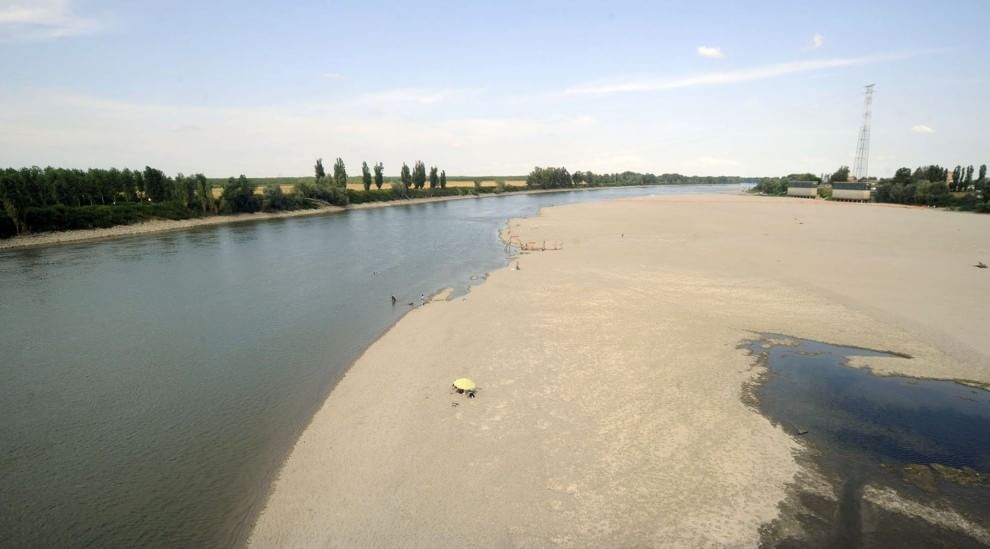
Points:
(418, 96)
(334, 76)
(921, 128)
(723, 77)
(817, 41)
(42, 19)
(43, 127)
(714, 53)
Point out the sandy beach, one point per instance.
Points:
(611, 409)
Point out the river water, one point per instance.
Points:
(151, 386)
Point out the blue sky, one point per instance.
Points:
(706, 88)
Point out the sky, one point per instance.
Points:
(492, 88)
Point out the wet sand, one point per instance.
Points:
(611, 408)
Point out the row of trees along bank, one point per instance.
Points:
(963, 188)
(57, 199)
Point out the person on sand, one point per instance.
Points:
(422, 298)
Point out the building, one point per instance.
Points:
(803, 189)
(856, 192)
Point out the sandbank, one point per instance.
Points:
(611, 409)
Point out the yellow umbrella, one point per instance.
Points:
(465, 384)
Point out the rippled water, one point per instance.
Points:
(151, 386)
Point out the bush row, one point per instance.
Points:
(63, 218)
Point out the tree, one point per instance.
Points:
(936, 173)
(903, 176)
(549, 178)
(205, 192)
(983, 173)
(405, 177)
(339, 173)
(434, 179)
(366, 176)
(419, 175)
(968, 180)
(14, 198)
(238, 196)
(443, 178)
(841, 175)
(274, 199)
(320, 172)
(379, 168)
(956, 177)
(185, 188)
(155, 184)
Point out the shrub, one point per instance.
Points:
(64, 218)
(238, 196)
(325, 193)
(825, 193)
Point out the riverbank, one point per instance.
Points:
(150, 227)
(612, 377)
(166, 225)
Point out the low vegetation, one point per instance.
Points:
(930, 185)
(56, 199)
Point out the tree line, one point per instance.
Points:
(934, 185)
(560, 178)
(48, 199)
(931, 185)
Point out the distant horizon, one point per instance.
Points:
(703, 89)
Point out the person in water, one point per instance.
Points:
(393, 300)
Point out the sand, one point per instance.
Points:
(611, 373)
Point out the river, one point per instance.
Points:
(151, 386)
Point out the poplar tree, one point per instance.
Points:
(339, 173)
(379, 179)
(366, 176)
(419, 174)
(405, 176)
(443, 179)
(434, 180)
(320, 172)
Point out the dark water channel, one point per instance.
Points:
(927, 439)
(151, 386)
